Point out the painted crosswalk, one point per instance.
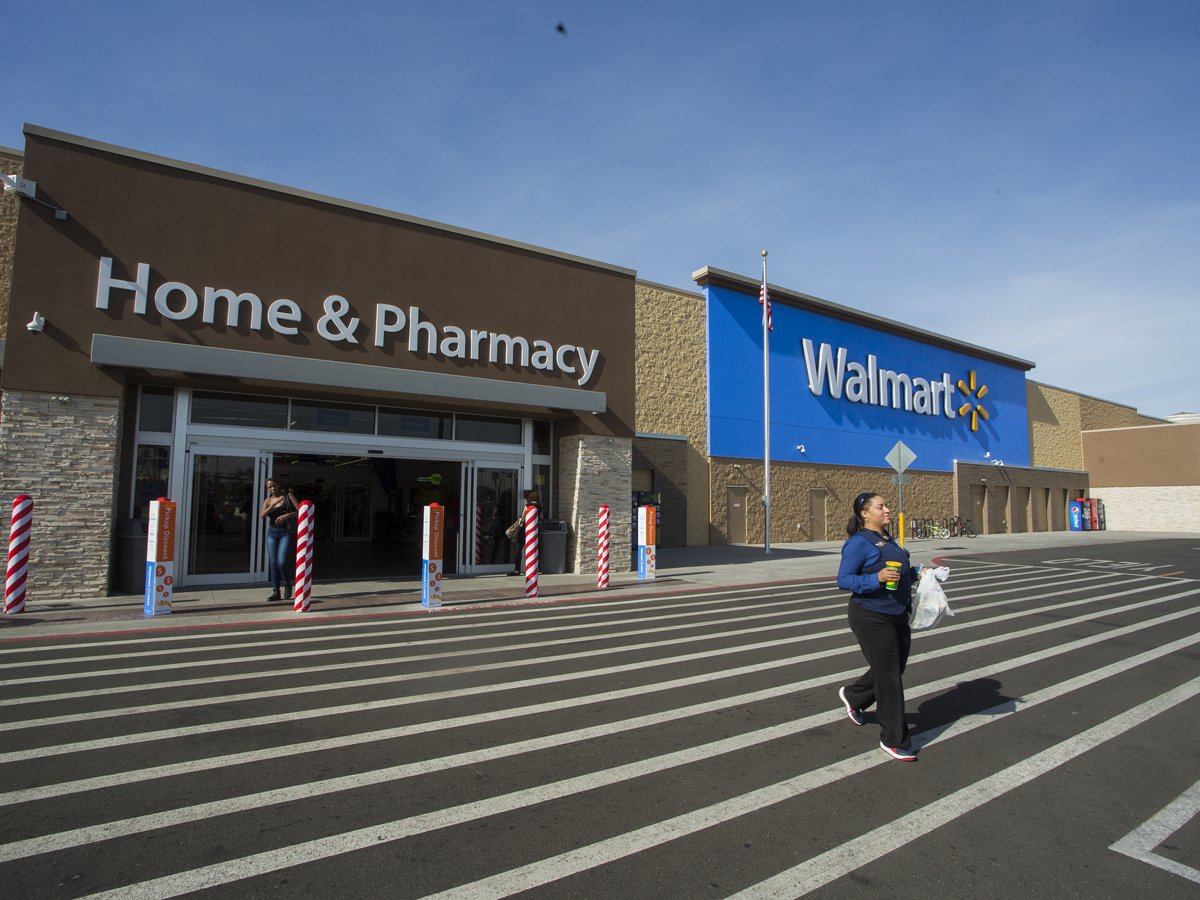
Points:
(655, 737)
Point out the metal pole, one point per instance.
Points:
(766, 413)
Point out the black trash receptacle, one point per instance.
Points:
(132, 535)
(552, 548)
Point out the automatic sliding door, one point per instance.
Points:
(224, 533)
(495, 508)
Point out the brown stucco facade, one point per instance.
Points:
(12, 162)
(193, 283)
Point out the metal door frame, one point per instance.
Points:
(264, 460)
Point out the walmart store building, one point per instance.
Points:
(204, 332)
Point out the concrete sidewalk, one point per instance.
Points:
(679, 569)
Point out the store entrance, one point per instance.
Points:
(369, 510)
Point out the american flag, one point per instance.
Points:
(764, 300)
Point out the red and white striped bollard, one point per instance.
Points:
(602, 550)
(18, 554)
(531, 551)
(478, 533)
(302, 595)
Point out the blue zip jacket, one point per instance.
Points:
(863, 555)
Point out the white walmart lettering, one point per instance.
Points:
(179, 302)
(493, 346)
(874, 386)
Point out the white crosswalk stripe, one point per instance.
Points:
(666, 685)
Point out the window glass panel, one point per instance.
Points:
(487, 430)
(414, 424)
(541, 481)
(542, 432)
(308, 415)
(150, 478)
(157, 409)
(232, 409)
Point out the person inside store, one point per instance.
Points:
(494, 530)
(877, 572)
(518, 543)
(281, 511)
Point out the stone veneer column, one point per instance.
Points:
(64, 453)
(594, 470)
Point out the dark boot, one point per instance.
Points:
(274, 596)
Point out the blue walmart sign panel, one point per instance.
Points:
(874, 388)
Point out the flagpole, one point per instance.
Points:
(766, 312)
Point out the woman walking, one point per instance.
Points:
(876, 571)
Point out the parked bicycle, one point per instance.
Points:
(960, 527)
(927, 528)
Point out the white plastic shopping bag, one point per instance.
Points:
(931, 602)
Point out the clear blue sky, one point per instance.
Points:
(1020, 175)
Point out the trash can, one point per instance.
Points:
(552, 548)
(132, 535)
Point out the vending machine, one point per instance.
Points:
(1075, 520)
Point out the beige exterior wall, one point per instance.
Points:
(10, 163)
(1058, 418)
(1166, 508)
(796, 487)
(1153, 456)
(1094, 414)
(671, 378)
(1055, 424)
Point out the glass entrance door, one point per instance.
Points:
(224, 540)
(495, 496)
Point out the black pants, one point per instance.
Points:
(885, 642)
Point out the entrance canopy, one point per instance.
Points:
(189, 359)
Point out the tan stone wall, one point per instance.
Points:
(671, 380)
(594, 470)
(1095, 414)
(1055, 426)
(926, 494)
(1058, 418)
(9, 204)
(64, 453)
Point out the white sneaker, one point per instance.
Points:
(851, 713)
(898, 753)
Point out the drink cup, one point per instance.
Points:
(893, 581)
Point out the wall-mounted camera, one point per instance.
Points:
(37, 324)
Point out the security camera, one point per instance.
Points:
(800, 447)
(36, 324)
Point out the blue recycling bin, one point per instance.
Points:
(1076, 523)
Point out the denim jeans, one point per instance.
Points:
(281, 557)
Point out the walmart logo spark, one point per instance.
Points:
(974, 395)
